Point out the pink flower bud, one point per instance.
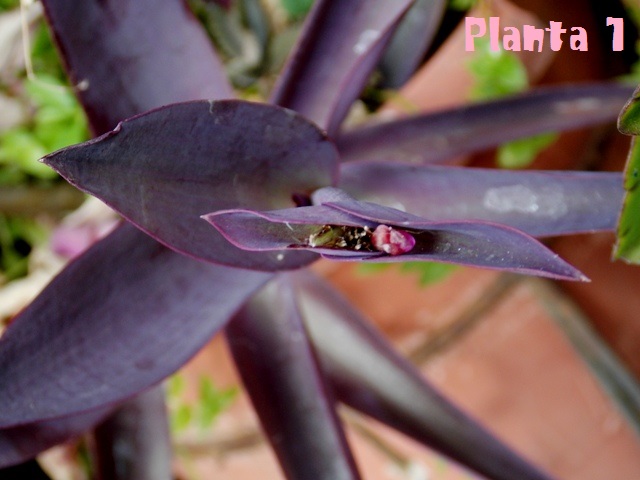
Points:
(392, 242)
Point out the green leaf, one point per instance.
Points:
(462, 5)
(46, 91)
(181, 417)
(429, 272)
(58, 121)
(496, 74)
(628, 244)
(203, 413)
(22, 148)
(175, 385)
(9, 5)
(520, 153)
(44, 55)
(629, 118)
(297, 8)
(372, 268)
(213, 402)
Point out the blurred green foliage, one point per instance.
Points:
(520, 153)
(462, 5)
(9, 5)
(497, 74)
(427, 272)
(17, 235)
(55, 119)
(203, 413)
(297, 8)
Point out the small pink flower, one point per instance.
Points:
(392, 242)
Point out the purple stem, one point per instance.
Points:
(280, 372)
(370, 376)
(134, 443)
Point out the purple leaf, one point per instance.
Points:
(538, 203)
(411, 41)
(349, 234)
(118, 319)
(339, 47)
(278, 229)
(21, 443)
(126, 57)
(134, 442)
(370, 376)
(164, 169)
(281, 375)
(435, 137)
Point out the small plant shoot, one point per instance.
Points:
(382, 239)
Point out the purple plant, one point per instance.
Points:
(277, 190)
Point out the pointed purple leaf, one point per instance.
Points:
(370, 376)
(118, 319)
(279, 229)
(21, 443)
(435, 137)
(338, 48)
(126, 57)
(471, 243)
(281, 375)
(134, 442)
(350, 232)
(410, 42)
(164, 169)
(538, 203)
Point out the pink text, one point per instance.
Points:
(532, 38)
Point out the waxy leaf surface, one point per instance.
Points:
(280, 372)
(367, 374)
(339, 47)
(127, 57)
(410, 42)
(120, 67)
(21, 443)
(134, 443)
(478, 244)
(538, 203)
(440, 136)
(164, 169)
(94, 339)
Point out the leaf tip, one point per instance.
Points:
(576, 275)
(54, 162)
(584, 278)
(629, 118)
